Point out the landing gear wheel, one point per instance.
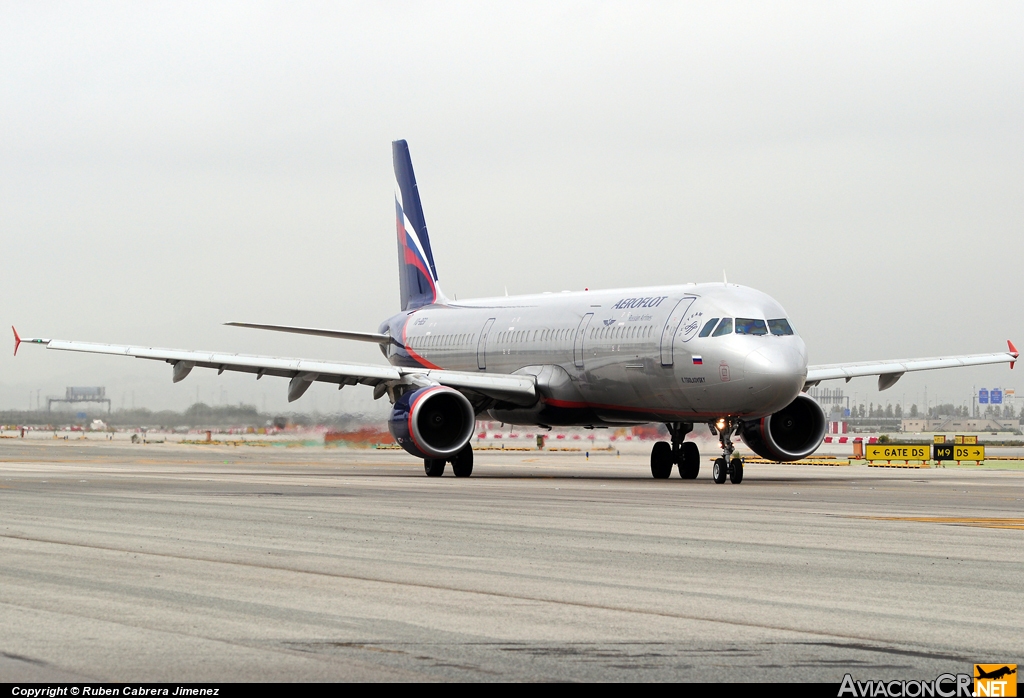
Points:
(462, 464)
(689, 463)
(433, 467)
(720, 471)
(661, 460)
(736, 471)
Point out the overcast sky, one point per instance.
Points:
(168, 167)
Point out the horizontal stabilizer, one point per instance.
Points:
(336, 334)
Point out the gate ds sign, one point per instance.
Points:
(880, 452)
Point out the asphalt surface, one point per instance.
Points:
(167, 562)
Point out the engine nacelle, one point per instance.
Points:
(792, 433)
(433, 422)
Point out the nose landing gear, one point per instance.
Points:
(728, 465)
(683, 454)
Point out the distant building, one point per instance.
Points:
(960, 424)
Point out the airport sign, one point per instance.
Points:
(966, 440)
(939, 438)
(995, 396)
(983, 397)
(958, 452)
(893, 452)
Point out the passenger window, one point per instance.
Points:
(708, 326)
(751, 326)
(780, 327)
(724, 327)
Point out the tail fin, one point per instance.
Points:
(416, 271)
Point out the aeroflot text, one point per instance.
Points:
(53, 692)
(649, 302)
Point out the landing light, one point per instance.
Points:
(720, 424)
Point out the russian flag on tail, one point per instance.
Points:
(698, 361)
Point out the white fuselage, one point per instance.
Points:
(617, 356)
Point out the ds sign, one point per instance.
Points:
(958, 452)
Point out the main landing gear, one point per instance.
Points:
(462, 464)
(728, 466)
(684, 454)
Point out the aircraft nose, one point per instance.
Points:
(779, 370)
(777, 361)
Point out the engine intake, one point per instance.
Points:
(434, 422)
(792, 433)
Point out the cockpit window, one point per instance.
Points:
(750, 326)
(724, 327)
(780, 327)
(710, 325)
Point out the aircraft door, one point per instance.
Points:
(577, 347)
(481, 345)
(668, 333)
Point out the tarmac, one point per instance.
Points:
(193, 563)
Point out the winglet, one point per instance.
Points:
(17, 340)
(1013, 351)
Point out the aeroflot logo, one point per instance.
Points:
(649, 302)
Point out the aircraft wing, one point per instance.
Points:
(516, 389)
(889, 372)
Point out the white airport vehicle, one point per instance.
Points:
(713, 353)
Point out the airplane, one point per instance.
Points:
(718, 354)
(995, 674)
